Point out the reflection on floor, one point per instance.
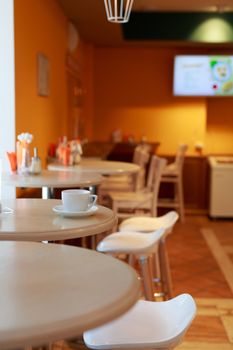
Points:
(201, 258)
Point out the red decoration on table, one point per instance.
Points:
(13, 160)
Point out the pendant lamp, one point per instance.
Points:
(118, 11)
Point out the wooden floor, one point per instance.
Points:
(201, 259)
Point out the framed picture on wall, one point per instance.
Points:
(43, 74)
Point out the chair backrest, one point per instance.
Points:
(146, 147)
(157, 165)
(179, 160)
(141, 158)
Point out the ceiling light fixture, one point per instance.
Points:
(118, 11)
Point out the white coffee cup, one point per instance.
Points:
(77, 200)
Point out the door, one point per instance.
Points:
(75, 121)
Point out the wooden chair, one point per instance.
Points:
(145, 199)
(116, 183)
(173, 173)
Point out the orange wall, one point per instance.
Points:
(126, 88)
(133, 92)
(40, 26)
(219, 133)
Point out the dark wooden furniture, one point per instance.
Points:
(124, 151)
(121, 151)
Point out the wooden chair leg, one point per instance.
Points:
(131, 260)
(154, 205)
(156, 268)
(180, 198)
(84, 242)
(115, 207)
(156, 276)
(93, 242)
(165, 270)
(147, 278)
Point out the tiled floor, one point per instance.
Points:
(201, 258)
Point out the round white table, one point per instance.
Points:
(48, 180)
(34, 220)
(103, 167)
(51, 292)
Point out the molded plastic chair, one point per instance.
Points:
(173, 173)
(148, 224)
(145, 199)
(147, 325)
(141, 245)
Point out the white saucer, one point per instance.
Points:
(6, 210)
(59, 210)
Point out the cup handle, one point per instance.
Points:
(93, 198)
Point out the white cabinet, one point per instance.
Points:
(221, 187)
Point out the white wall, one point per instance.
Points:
(7, 86)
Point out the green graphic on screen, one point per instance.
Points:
(221, 70)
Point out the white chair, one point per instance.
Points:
(149, 224)
(147, 325)
(141, 246)
(125, 183)
(126, 204)
(173, 173)
(128, 182)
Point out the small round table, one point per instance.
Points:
(51, 292)
(103, 167)
(48, 180)
(34, 220)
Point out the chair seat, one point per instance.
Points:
(130, 242)
(144, 198)
(159, 325)
(168, 203)
(136, 197)
(149, 224)
(117, 179)
(116, 186)
(171, 170)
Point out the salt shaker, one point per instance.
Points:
(36, 163)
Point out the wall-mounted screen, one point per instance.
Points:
(203, 76)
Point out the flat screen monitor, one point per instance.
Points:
(201, 75)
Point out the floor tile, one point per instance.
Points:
(228, 324)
